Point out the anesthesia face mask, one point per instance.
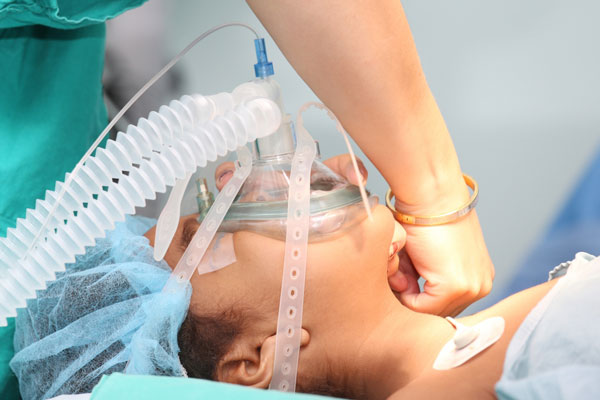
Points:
(261, 205)
(280, 189)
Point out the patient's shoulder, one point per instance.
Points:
(444, 385)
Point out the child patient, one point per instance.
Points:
(358, 339)
(361, 337)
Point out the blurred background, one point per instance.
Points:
(517, 83)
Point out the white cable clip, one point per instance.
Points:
(465, 335)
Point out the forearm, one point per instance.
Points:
(360, 59)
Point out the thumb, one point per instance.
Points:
(342, 165)
(350, 173)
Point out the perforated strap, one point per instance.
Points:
(289, 323)
(168, 221)
(189, 262)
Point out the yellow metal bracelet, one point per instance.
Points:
(437, 219)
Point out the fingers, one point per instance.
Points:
(223, 174)
(442, 294)
(405, 280)
(432, 302)
(454, 262)
(449, 298)
(425, 302)
(342, 165)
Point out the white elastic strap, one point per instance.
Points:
(168, 220)
(191, 258)
(289, 322)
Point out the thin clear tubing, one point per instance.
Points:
(27, 261)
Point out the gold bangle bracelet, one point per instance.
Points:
(437, 219)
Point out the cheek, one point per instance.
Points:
(351, 261)
(344, 266)
(337, 269)
(236, 286)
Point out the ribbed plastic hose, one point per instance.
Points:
(144, 161)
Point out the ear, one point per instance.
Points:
(252, 367)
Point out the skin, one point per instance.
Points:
(359, 58)
(353, 323)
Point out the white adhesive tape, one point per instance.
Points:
(220, 254)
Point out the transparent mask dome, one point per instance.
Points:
(262, 203)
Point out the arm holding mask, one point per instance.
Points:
(360, 59)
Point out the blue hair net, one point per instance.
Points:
(104, 314)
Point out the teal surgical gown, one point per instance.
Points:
(51, 106)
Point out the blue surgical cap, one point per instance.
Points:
(104, 314)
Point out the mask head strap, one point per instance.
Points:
(289, 322)
(190, 260)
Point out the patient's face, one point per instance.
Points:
(345, 275)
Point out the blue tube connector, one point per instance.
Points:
(263, 68)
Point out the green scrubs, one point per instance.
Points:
(51, 106)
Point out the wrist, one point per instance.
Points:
(432, 195)
(440, 218)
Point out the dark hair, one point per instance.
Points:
(205, 339)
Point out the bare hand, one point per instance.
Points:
(452, 259)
